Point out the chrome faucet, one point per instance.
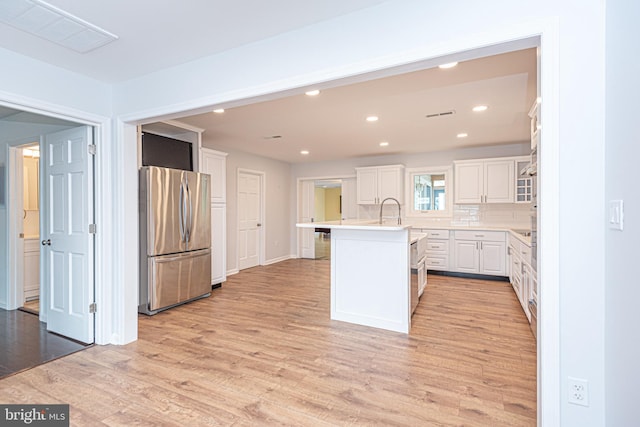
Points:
(382, 205)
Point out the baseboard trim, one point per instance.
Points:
(279, 259)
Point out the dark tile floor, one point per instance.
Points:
(25, 342)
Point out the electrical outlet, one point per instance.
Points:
(578, 391)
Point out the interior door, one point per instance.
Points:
(68, 245)
(249, 219)
(307, 209)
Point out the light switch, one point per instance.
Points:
(616, 214)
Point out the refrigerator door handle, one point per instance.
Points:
(181, 212)
(189, 222)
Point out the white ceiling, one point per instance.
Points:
(332, 125)
(153, 35)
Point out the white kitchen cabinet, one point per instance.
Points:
(214, 163)
(484, 181)
(521, 274)
(374, 184)
(31, 269)
(467, 256)
(479, 252)
(523, 181)
(534, 115)
(437, 251)
(218, 243)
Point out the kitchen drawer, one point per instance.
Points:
(436, 234)
(437, 246)
(436, 262)
(525, 253)
(487, 236)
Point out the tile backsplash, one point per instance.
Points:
(508, 215)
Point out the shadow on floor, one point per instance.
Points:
(26, 343)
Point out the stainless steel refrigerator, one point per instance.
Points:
(175, 237)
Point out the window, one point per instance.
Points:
(429, 192)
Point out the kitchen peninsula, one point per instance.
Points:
(370, 273)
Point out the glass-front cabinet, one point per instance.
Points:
(523, 182)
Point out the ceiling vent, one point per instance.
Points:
(50, 23)
(443, 113)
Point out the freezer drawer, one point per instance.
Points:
(175, 279)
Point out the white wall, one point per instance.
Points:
(622, 351)
(27, 81)
(403, 31)
(277, 194)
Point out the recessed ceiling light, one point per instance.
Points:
(448, 65)
(372, 118)
(304, 152)
(219, 110)
(479, 108)
(312, 92)
(462, 135)
(384, 144)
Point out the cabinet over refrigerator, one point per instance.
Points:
(175, 238)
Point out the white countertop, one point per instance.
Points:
(354, 225)
(524, 239)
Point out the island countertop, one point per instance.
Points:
(372, 225)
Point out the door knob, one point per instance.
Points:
(46, 242)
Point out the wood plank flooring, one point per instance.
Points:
(263, 351)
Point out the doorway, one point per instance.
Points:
(30, 157)
(51, 247)
(250, 218)
(323, 199)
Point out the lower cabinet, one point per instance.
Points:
(479, 252)
(218, 243)
(437, 253)
(521, 274)
(31, 269)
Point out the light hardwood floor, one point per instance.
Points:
(263, 351)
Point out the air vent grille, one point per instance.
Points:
(440, 114)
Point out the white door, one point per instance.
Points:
(307, 209)
(249, 219)
(68, 245)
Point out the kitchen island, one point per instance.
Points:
(370, 273)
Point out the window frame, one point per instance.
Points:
(447, 171)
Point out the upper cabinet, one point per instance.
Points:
(534, 115)
(484, 181)
(374, 184)
(214, 163)
(523, 180)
